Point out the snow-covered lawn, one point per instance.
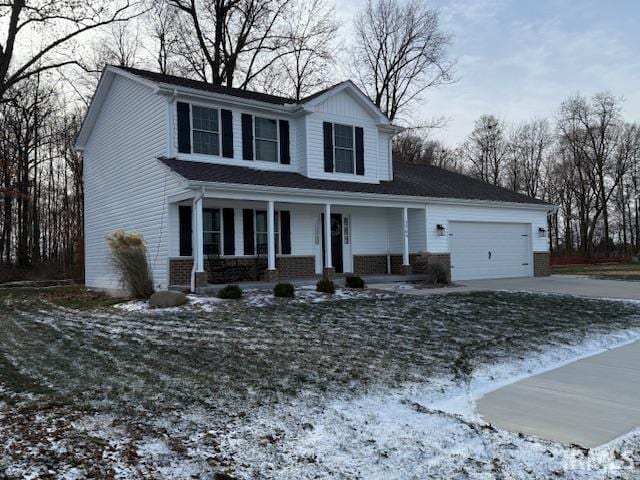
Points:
(358, 385)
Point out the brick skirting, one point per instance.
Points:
(296, 266)
(369, 264)
(377, 264)
(288, 266)
(541, 264)
(180, 270)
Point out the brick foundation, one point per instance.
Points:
(180, 270)
(271, 275)
(541, 264)
(201, 279)
(296, 266)
(288, 266)
(369, 264)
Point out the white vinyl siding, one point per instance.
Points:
(125, 184)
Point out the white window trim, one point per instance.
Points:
(277, 223)
(346, 229)
(255, 137)
(353, 147)
(219, 132)
(221, 245)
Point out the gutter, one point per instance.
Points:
(331, 194)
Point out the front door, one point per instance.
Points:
(336, 242)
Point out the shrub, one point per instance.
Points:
(285, 290)
(326, 286)
(354, 282)
(129, 254)
(232, 292)
(438, 274)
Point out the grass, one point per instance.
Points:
(157, 375)
(612, 271)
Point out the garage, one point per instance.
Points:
(489, 250)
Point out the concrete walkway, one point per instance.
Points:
(559, 284)
(588, 402)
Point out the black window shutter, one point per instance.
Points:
(227, 133)
(285, 232)
(247, 231)
(285, 156)
(184, 128)
(359, 151)
(185, 231)
(228, 224)
(327, 128)
(247, 136)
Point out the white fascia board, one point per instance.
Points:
(300, 195)
(356, 94)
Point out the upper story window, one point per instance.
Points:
(205, 128)
(344, 148)
(266, 139)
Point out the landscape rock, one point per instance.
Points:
(167, 298)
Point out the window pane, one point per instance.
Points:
(261, 221)
(205, 142)
(211, 243)
(261, 243)
(266, 150)
(343, 136)
(266, 128)
(210, 220)
(205, 118)
(344, 160)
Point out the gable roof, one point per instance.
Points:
(409, 180)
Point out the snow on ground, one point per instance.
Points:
(433, 431)
(361, 384)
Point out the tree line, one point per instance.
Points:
(586, 161)
(52, 53)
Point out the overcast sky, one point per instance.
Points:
(518, 59)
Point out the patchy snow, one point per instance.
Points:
(433, 430)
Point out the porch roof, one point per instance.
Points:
(411, 180)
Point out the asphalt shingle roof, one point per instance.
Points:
(208, 87)
(411, 180)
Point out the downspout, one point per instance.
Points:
(194, 241)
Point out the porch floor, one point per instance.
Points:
(300, 282)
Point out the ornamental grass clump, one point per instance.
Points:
(129, 256)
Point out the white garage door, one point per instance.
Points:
(489, 250)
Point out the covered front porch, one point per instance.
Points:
(217, 238)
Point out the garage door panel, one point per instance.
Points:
(471, 242)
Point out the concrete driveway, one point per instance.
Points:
(588, 402)
(559, 284)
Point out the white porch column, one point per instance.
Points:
(198, 277)
(271, 237)
(327, 236)
(405, 236)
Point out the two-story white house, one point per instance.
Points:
(227, 184)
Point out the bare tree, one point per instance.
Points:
(529, 145)
(309, 33)
(400, 53)
(161, 27)
(228, 40)
(486, 150)
(38, 30)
